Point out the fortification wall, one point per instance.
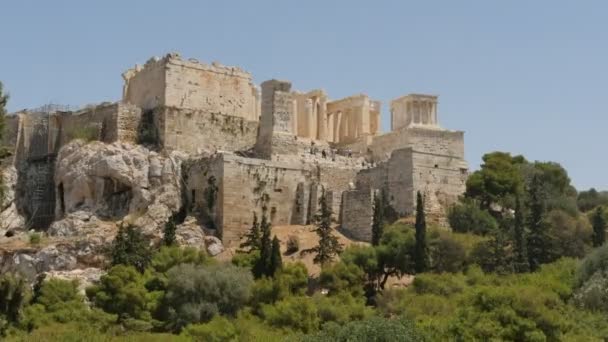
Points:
(435, 141)
(440, 178)
(145, 86)
(357, 210)
(246, 185)
(195, 130)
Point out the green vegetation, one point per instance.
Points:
(328, 246)
(521, 263)
(86, 133)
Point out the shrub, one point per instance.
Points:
(14, 294)
(196, 294)
(596, 261)
(373, 329)
(219, 329)
(447, 254)
(35, 238)
(295, 313)
(87, 133)
(293, 244)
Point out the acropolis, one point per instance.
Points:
(234, 148)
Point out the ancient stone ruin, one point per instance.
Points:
(203, 141)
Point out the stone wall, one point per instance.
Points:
(276, 119)
(357, 210)
(173, 82)
(243, 186)
(443, 142)
(195, 130)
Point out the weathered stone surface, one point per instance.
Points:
(10, 218)
(214, 245)
(86, 276)
(118, 181)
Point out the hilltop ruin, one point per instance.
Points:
(233, 148)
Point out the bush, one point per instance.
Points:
(447, 254)
(58, 301)
(87, 133)
(468, 217)
(196, 294)
(14, 295)
(596, 261)
(293, 244)
(35, 238)
(295, 313)
(373, 329)
(291, 280)
(219, 329)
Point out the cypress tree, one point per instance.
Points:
(521, 263)
(276, 262)
(377, 220)
(538, 239)
(328, 246)
(252, 238)
(262, 266)
(421, 258)
(599, 227)
(169, 232)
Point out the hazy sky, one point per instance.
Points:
(528, 77)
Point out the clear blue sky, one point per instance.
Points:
(526, 77)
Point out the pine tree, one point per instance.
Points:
(276, 262)
(421, 258)
(169, 232)
(599, 227)
(262, 266)
(538, 239)
(520, 263)
(377, 220)
(329, 246)
(252, 238)
(131, 248)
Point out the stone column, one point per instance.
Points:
(338, 127)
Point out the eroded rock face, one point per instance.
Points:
(10, 219)
(118, 181)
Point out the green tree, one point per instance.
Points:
(132, 248)
(276, 262)
(421, 257)
(377, 219)
(396, 253)
(591, 198)
(328, 246)
(538, 238)
(520, 263)
(497, 181)
(252, 238)
(599, 227)
(468, 217)
(14, 295)
(262, 265)
(122, 291)
(169, 232)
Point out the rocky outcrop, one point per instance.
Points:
(10, 219)
(118, 181)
